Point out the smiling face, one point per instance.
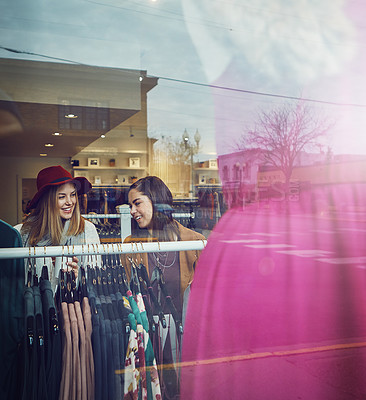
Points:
(141, 208)
(66, 198)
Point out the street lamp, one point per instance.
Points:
(193, 149)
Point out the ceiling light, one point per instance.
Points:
(71, 115)
(57, 134)
(43, 154)
(141, 78)
(102, 136)
(48, 145)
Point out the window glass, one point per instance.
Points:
(253, 116)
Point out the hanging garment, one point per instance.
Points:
(76, 366)
(120, 338)
(39, 343)
(12, 274)
(132, 372)
(30, 349)
(52, 340)
(65, 386)
(103, 350)
(82, 350)
(86, 313)
(170, 382)
(110, 381)
(96, 345)
(152, 370)
(89, 359)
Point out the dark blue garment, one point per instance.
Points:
(109, 350)
(52, 341)
(39, 342)
(12, 276)
(103, 351)
(30, 348)
(96, 342)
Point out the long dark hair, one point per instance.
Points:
(164, 227)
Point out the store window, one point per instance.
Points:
(252, 114)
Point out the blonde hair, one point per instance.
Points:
(46, 220)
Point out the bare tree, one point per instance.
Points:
(282, 133)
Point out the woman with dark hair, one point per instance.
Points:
(151, 204)
(54, 218)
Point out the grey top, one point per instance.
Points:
(89, 236)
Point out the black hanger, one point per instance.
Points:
(92, 277)
(74, 291)
(125, 279)
(69, 295)
(145, 296)
(110, 282)
(29, 276)
(98, 278)
(82, 290)
(63, 294)
(115, 279)
(122, 286)
(104, 278)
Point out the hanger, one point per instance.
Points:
(74, 291)
(125, 279)
(63, 295)
(145, 296)
(98, 280)
(104, 280)
(29, 275)
(82, 290)
(110, 282)
(134, 278)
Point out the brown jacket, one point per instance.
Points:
(187, 258)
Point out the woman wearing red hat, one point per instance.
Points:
(55, 219)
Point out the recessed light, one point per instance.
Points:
(56, 134)
(71, 115)
(43, 155)
(48, 145)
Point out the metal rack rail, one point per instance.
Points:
(99, 249)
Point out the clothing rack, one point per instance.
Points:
(100, 249)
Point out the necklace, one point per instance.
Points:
(161, 256)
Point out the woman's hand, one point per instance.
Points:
(74, 265)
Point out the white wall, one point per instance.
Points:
(13, 170)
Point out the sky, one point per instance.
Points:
(219, 63)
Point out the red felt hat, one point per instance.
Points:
(56, 176)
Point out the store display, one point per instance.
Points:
(93, 162)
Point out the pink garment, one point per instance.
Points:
(76, 371)
(65, 385)
(90, 378)
(82, 350)
(278, 307)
